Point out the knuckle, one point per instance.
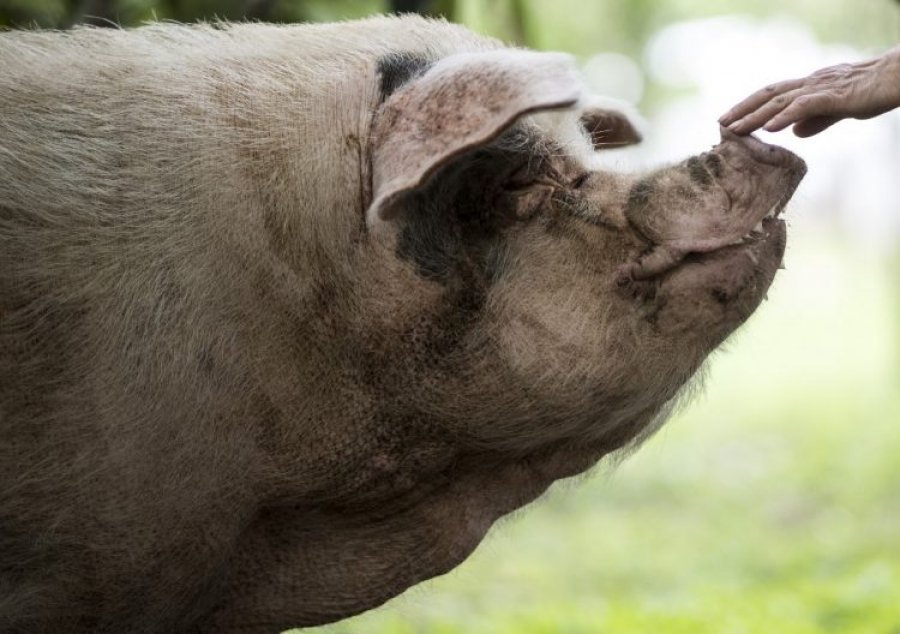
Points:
(820, 102)
(829, 98)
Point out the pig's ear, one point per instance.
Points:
(611, 123)
(462, 102)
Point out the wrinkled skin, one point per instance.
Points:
(816, 102)
(226, 406)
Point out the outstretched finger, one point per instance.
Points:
(757, 99)
(803, 107)
(762, 115)
(809, 127)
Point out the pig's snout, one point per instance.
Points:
(765, 153)
(730, 196)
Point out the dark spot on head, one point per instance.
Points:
(698, 172)
(720, 295)
(396, 69)
(460, 216)
(430, 244)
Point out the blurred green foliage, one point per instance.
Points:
(66, 13)
(577, 26)
(582, 27)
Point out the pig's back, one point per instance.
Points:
(135, 171)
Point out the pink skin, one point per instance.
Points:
(814, 103)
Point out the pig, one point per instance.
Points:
(291, 315)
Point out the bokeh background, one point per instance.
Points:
(771, 502)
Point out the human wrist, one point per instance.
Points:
(888, 66)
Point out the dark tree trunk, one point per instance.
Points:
(259, 9)
(410, 6)
(93, 12)
(425, 7)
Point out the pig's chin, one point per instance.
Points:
(712, 293)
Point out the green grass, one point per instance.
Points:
(771, 504)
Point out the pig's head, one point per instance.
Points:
(533, 297)
(515, 312)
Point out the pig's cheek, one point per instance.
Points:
(739, 197)
(711, 213)
(681, 314)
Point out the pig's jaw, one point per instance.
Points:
(731, 280)
(709, 294)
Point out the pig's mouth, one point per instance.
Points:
(717, 289)
(711, 262)
(742, 186)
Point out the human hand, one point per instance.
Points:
(813, 103)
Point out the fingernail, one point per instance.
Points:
(735, 127)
